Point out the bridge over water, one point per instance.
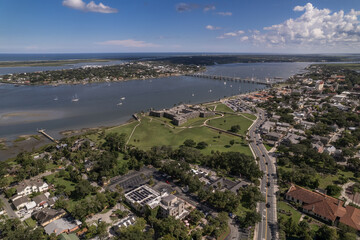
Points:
(234, 79)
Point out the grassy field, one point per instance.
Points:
(295, 215)
(126, 128)
(329, 179)
(223, 108)
(267, 147)
(156, 133)
(226, 122)
(251, 116)
(70, 186)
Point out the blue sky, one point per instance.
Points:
(273, 26)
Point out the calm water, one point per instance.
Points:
(24, 109)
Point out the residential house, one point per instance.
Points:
(330, 150)
(318, 146)
(30, 205)
(292, 138)
(62, 225)
(273, 136)
(48, 215)
(20, 202)
(267, 127)
(223, 184)
(40, 200)
(27, 187)
(124, 223)
(306, 124)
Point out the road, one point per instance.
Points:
(10, 212)
(267, 228)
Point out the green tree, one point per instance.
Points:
(235, 129)
(326, 233)
(201, 145)
(333, 190)
(189, 143)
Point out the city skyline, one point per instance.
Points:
(81, 26)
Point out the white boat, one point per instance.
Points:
(56, 98)
(210, 90)
(224, 83)
(193, 94)
(75, 98)
(119, 104)
(123, 98)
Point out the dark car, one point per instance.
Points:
(268, 205)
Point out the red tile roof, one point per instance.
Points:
(326, 206)
(352, 217)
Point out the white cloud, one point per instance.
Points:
(209, 7)
(224, 13)
(184, 7)
(128, 43)
(231, 34)
(210, 27)
(244, 38)
(90, 7)
(316, 28)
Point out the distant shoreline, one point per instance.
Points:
(49, 63)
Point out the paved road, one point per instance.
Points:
(10, 212)
(267, 228)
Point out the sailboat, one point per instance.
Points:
(75, 98)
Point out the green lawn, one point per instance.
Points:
(154, 133)
(70, 186)
(295, 215)
(267, 147)
(226, 122)
(30, 222)
(126, 128)
(223, 108)
(251, 116)
(329, 179)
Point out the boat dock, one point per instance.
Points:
(42, 131)
(234, 79)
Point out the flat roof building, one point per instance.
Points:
(143, 196)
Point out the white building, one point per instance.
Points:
(319, 85)
(30, 186)
(143, 196)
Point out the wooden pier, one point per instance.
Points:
(42, 131)
(233, 79)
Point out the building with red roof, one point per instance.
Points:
(325, 207)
